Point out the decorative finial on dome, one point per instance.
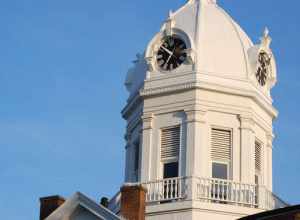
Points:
(266, 32)
(169, 24)
(208, 1)
(203, 1)
(170, 14)
(266, 39)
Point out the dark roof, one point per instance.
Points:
(286, 213)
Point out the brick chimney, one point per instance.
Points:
(49, 204)
(133, 202)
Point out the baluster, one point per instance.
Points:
(174, 186)
(152, 192)
(168, 189)
(149, 192)
(219, 190)
(148, 198)
(234, 193)
(227, 192)
(241, 193)
(171, 188)
(179, 188)
(158, 190)
(213, 189)
(161, 186)
(248, 194)
(222, 190)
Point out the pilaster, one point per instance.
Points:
(196, 143)
(146, 147)
(128, 174)
(247, 173)
(269, 158)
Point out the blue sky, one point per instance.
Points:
(62, 67)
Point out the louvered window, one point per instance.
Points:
(258, 151)
(170, 143)
(221, 145)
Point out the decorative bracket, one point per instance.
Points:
(149, 61)
(191, 56)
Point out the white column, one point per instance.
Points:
(146, 147)
(127, 159)
(247, 149)
(269, 157)
(128, 165)
(196, 147)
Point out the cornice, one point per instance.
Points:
(262, 101)
(131, 105)
(168, 89)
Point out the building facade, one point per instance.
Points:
(199, 118)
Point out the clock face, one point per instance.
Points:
(263, 65)
(171, 54)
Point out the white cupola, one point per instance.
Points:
(200, 118)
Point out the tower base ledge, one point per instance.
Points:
(189, 210)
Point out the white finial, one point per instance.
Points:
(169, 24)
(170, 14)
(266, 39)
(266, 32)
(209, 1)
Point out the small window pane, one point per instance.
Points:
(170, 170)
(220, 171)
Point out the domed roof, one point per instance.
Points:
(219, 42)
(219, 51)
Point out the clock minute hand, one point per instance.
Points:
(168, 51)
(172, 53)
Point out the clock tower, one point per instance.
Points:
(199, 118)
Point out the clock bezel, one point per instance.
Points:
(161, 42)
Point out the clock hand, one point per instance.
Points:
(168, 51)
(172, 54)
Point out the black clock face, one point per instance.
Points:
(263, 64)
(171, 54)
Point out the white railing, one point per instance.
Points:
(227, 192)
(206, 190)
(166, 189)
(210, 190)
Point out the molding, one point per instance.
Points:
(247, 122)
(128, 136)
(270, 137)
(131, 125)
(255, 95)
(131, 106)
(168, 89)
(147, 121)
(195, 115)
